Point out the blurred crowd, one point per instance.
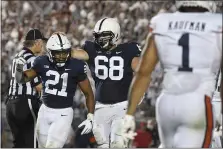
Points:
(77, 20)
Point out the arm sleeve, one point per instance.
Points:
(153, 23)
(82, 74)
(36, 65)
(135, 50)
(37, 80)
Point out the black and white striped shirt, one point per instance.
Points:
(26, 88)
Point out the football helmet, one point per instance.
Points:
(107, 32)
(209, 5)
(58, 49)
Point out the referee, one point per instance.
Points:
(22, 103)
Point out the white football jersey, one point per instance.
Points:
(188, 43)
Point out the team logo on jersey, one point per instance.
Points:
(119, 52)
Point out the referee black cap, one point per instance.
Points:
(35, 34)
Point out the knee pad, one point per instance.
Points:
(54, 144)
(118, 144)
(42, 139)
(160, 146)
(98, 134)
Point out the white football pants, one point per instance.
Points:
(185, 120)
(53, 126)
(107, 122)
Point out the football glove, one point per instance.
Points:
(88, 124)
(128, 132)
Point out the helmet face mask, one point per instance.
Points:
(60, 56)
(106, 33)
(104, 39)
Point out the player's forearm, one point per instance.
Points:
(136, 92)
(90, 103)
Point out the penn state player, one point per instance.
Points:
(188, 44)
(112, 66)
(60, 76)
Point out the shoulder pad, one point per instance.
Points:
(133, 48)
(40, 58)
(86, 44)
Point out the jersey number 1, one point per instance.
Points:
(184, 42)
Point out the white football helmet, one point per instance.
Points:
(107, 32)
(58, 49)
(209, 5)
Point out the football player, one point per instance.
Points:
(188, 43)
(60, 76)
(112, 66)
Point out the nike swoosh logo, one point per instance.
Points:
(63, 115)
(67, 69)
(118, 52)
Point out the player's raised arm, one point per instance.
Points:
(79, 54)
(142, 77)
(23, 76)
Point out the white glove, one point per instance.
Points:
(128, 132)
(88, 123)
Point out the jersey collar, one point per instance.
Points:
(28, 50)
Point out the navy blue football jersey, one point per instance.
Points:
(59, 84)
(111, 70)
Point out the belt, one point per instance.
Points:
(12, 97)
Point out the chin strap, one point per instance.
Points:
(60, 64)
